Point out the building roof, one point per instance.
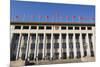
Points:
(55, 23)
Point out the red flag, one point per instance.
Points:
(79, 17)
(40, 17)
(93, 18)
(73, 17)
(32, 16)
(17, 17)
(46, 17)
(67, 17)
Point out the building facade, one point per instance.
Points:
(49, 42)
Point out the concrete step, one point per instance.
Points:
(17, 63)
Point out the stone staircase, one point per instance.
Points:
(59, 61)
(88, 59)
(17, 63)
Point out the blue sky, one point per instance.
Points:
(25, 11)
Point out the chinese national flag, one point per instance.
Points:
(32, 16)
(73, 17)
(17, 17)
(46, 17)
(93, 18)
(40, 17)
(67, 17)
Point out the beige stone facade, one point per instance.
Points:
(48, 43)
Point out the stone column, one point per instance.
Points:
(67, 45)
(51, 50)
(87, 44)
(74, 46)
(35, 51)
(27, 48)
(81, 45)
(36, 48)
(60, 46)
(20, 50)
(19, 44)
(44, 46)
(93, 41)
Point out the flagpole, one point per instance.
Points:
(23, 17)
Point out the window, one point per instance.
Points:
(77, 36)
(33, 46)
(83, 28)
(71, 55)
(23, 56)
(48, 56)
(48, 45)
(78, 54)
(25, 27)
(70, 36)
(31, 56)
(71, 45)
(85, 53)
(56, 36)
(40, 36)
(56, 45)
(92, 53)
(41, 27)
(56, 27)
(63, 28)
(48, 36)
(89, 28)
(17, 27)
(76, 28)
(40, 56)
(63, 36)
(40, 45)
(90, 36)
(56, 55)
(83, 36)
(77, 45)
(64, 45)
(70, 28)
(64, 55)
(48, 27)
(33, 36)
(33, 27)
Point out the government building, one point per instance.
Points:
(37, 43)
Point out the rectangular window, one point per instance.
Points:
(33, 27)
(70, 28)
(89, 28)
(83, 28)
(63, 28)
(40, 45)
(25, 27)
(32, 45)
(63, 36)
(56, 27)
(64, 45)
(48, 27)
(56, 45)
(76, 28)
(41, 27)
(48, 45)
(78, 54)
(17, 27)
(71, 54)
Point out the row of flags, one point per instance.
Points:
(57, 17)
